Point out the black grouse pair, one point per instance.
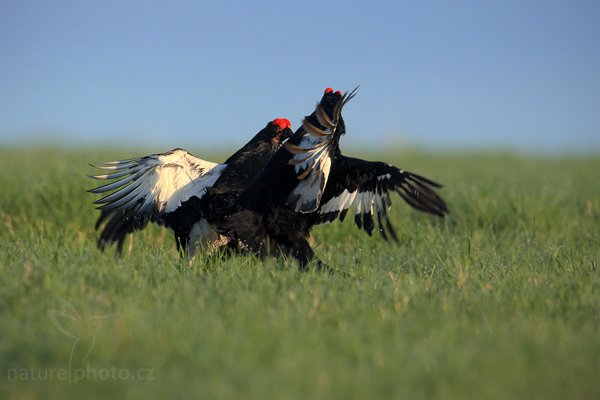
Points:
(266, 197)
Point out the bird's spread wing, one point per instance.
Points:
(366, 186)
(149, 188)
(311, 157)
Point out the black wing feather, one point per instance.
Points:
(365, 186)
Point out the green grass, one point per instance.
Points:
(501, 300)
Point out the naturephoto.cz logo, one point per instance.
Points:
(82, 331)
(74, 375)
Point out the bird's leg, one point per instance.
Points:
(305, 255)
(302, 252)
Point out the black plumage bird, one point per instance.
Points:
(308, 182)
(180, 191)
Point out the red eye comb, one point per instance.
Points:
(339, 92)
(328, 90)
(282, 123)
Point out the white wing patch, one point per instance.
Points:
(339, 203)
(367, 203)
(363, 202)
(159, 182)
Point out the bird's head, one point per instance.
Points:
(277, 131)
(332, 103)
(330, 99)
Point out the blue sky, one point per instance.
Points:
(467, 74)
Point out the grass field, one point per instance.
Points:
(499, 301)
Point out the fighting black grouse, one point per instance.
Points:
(309, 182)
(180, 191)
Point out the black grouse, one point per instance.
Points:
(180, 191)
(309, 182)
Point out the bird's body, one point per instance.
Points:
(175, 189)
(309, 181)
